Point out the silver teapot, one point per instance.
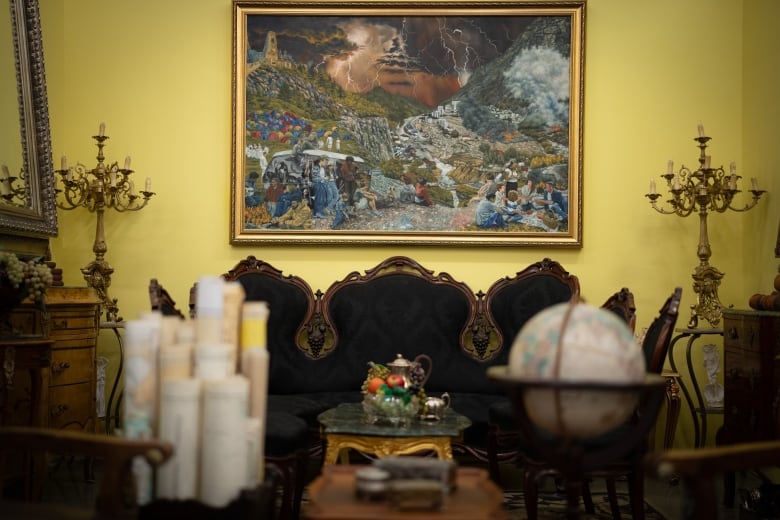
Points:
(433, 407)
(413, 372)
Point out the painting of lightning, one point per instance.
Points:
(372, 122)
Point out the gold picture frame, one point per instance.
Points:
(398, 122)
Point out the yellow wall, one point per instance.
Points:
(159, 75)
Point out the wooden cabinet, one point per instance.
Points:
(72, 322)
(751, 375)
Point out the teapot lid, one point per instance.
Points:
(400, 361)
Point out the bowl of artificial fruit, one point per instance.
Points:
(387, 400)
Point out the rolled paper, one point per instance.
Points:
(154, 319)
(232, 300)
(102, 130)
(255, 444)
(209, 307)
(139, 396)
(169, 325)
(254, 365)
(180, 425)
(223, 440)
(254, 325)
(175, 362)
(214, 361)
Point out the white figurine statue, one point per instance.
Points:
(713, 391)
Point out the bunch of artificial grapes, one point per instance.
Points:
(38, 279)
(416, 376)
(14, 268)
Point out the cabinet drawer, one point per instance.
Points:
(84, 319)
(72, 365)
(72, 406)
(741, 332)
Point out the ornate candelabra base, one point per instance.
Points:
(706, 280)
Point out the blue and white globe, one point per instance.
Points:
(593, 345)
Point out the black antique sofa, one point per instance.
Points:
(320, 343)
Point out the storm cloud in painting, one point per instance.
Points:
(427, 58)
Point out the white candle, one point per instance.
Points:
(733, 167)
(148, 184)
(733, 181)
(676, 183)
(5, 173)
(669, 167)
(131, 188)
(701, 129)
(102, 130)
(652, 186)
(63, 163)
(707, 160)
(112, 176)
(754, 183)
(70, 174)
(127, 162)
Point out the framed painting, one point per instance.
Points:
(398, 122)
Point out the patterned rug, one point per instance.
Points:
(553, 506)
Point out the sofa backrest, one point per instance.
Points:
(291, 305)
(324, 341)
(399, 307)
(511, 302)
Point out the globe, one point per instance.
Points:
(581, 343)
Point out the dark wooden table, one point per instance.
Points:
(332, 496)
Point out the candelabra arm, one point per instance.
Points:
(750, 205)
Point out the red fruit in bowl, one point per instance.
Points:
(394, 380)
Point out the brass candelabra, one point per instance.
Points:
(12, 193)
(104, 186)
(703, 190)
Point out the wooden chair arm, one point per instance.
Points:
(699, 467)
(117, 454)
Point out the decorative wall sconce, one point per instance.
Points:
(11, 192)
(104, 186)
(703, 190)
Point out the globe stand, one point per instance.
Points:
(567, 452)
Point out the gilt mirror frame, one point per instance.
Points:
(25, 227)
(509, 105)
